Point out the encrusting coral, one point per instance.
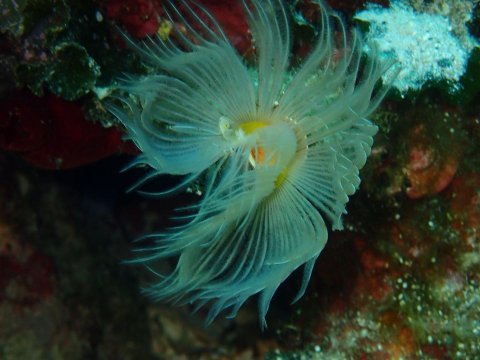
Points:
(277, 149)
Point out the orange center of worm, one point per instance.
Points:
(257, 155)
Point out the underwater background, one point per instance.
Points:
(401, 281)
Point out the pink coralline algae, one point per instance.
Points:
(52, 133)
(142, 18)
(139, 17)
(427, 171)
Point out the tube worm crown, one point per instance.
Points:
(279, 149)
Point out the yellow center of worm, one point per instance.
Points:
(281, 178)
(251, 126)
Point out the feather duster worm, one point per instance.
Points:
(278, 152)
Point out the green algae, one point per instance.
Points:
(63, 46)
(65, 83)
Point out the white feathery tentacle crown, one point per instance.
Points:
(278, 150)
